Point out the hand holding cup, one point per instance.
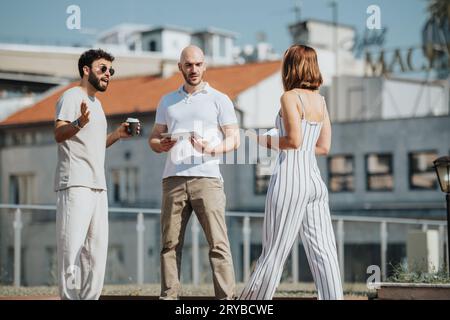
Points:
(134, 127)
(129, 128)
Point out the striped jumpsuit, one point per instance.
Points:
(297, 201)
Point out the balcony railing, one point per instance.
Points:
(246, 221)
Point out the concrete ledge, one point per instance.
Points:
(122, 297)
(413, 291)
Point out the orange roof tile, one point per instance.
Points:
(142, 93)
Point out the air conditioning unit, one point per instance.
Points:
(422, 251)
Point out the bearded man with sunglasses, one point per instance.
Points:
(82, 203)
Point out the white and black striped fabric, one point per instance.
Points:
(297, 201)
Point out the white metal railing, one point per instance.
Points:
(246, 232)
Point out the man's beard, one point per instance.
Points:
(189, 81)
(95, 82)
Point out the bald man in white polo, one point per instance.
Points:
(191, 178)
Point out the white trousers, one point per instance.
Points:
(82, 242)
(296, 202)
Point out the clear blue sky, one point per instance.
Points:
(44, 21)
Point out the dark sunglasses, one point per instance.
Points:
(103, 69)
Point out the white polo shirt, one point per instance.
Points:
(81, 159)
(204, 112)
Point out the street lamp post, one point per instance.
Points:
(442, 167)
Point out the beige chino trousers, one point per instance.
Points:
(204, 196)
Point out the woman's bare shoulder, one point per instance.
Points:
(289, 95)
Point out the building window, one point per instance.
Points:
(379, 176)
(421, 171)
(124, 185)
(115, 177)
(18, 138)
(152, 46)
(198, 41)
(208, 46)
(222, 46)
(341, 173)
(21, 188)
(263, 171)
(21, 138)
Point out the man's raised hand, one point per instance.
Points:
(84, 118)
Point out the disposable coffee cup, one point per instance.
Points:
(133, 126)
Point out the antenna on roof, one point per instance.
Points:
(298, 10)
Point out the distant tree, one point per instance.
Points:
(436, 36)
(439, 9)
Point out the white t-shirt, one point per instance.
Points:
(204, 112)
(81, 159)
